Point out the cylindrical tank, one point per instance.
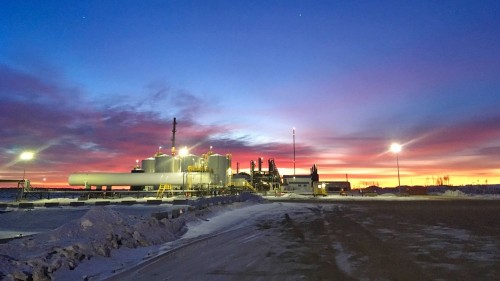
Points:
(176, 164)
(148, 165)
(190, 160)
(219, 164)
(163, 163)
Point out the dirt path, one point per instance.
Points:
(422, 240)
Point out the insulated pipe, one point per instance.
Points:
(120, 179)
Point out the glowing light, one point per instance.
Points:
(27, 155)
(183, 151)
(396, 148)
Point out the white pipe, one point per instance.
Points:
(119, 179)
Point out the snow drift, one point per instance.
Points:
(96, 233)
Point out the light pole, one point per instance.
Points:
(293, 133)
(396, 149)
(26, 156)
(202, 169)
(182, 153)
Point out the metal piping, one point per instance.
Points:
(122, 179)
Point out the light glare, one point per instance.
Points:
(396, 148)
(183, 151)
(27, 155)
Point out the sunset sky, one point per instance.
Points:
(95, 85)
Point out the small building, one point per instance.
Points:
(297, 183)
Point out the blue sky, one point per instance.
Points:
(94, 85)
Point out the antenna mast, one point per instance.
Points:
(173, 137)
(293, 132)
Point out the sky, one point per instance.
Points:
(92, 86)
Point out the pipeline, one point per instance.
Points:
(123, 179)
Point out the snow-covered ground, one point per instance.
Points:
(253, 240)
(94, 241)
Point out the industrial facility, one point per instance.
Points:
(177, 172)
(209, 173)
(180, 172)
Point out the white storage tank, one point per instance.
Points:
(220, 165)
(190, 160)
(176, 164)
(148, 165)
(163, 163)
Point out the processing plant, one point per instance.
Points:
(180, 171)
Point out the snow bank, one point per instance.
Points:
(291, 196)
(96, 233)
(455, 193)
(388, 195)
